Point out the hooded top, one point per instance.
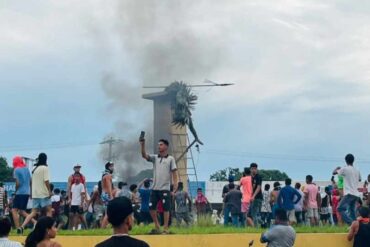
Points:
(18, 162)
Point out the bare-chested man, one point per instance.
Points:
(107, 188)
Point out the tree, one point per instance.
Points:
(6, 173)
(267, 175)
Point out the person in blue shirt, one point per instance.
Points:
(287, 198)
(145, 192)
(22, 178)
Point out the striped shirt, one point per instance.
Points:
(2, 195)
(5, 242)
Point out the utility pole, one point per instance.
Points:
(111, 141)
(29, 161)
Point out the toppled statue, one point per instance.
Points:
(183, 101)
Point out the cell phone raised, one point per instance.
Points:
(142, 136)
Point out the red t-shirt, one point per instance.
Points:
(82, 178)
(246, 188)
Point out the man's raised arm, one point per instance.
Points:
(143, 151)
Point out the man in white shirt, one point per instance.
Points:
(351, 178)
(77, 195)
(5, 227)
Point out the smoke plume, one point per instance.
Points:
(150, 43)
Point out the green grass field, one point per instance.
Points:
(143, 230)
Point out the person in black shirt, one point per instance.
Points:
(256, 200)
(120, 215)
(360, 229)
(226, 190)
(233, 201)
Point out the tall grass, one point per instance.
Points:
(204, 221)
(203, 226)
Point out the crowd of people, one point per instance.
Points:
(248, 204)
(164, 200)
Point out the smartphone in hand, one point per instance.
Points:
(142, 136)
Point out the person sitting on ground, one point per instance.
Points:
(120, 215)
(45, 230)
(360, 229)
(281, 234)
(5, 227)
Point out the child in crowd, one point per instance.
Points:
(266, 212)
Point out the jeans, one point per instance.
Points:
(266, 219)
(348, 203)
(255, 211)
(226, 215)
(235, 220)
(299, 217)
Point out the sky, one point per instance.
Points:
(72, 74)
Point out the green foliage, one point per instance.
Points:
(204, 221)
(267, 175)
(6, 173)
(273, 175)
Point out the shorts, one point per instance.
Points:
(291, 215)
(20, 202)
(38, 203)
(312, 213)
(163, 195)
(324, 210)
(324, 216)
(245, 207)
(99, 211)
(105, 198)
(76, 209)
